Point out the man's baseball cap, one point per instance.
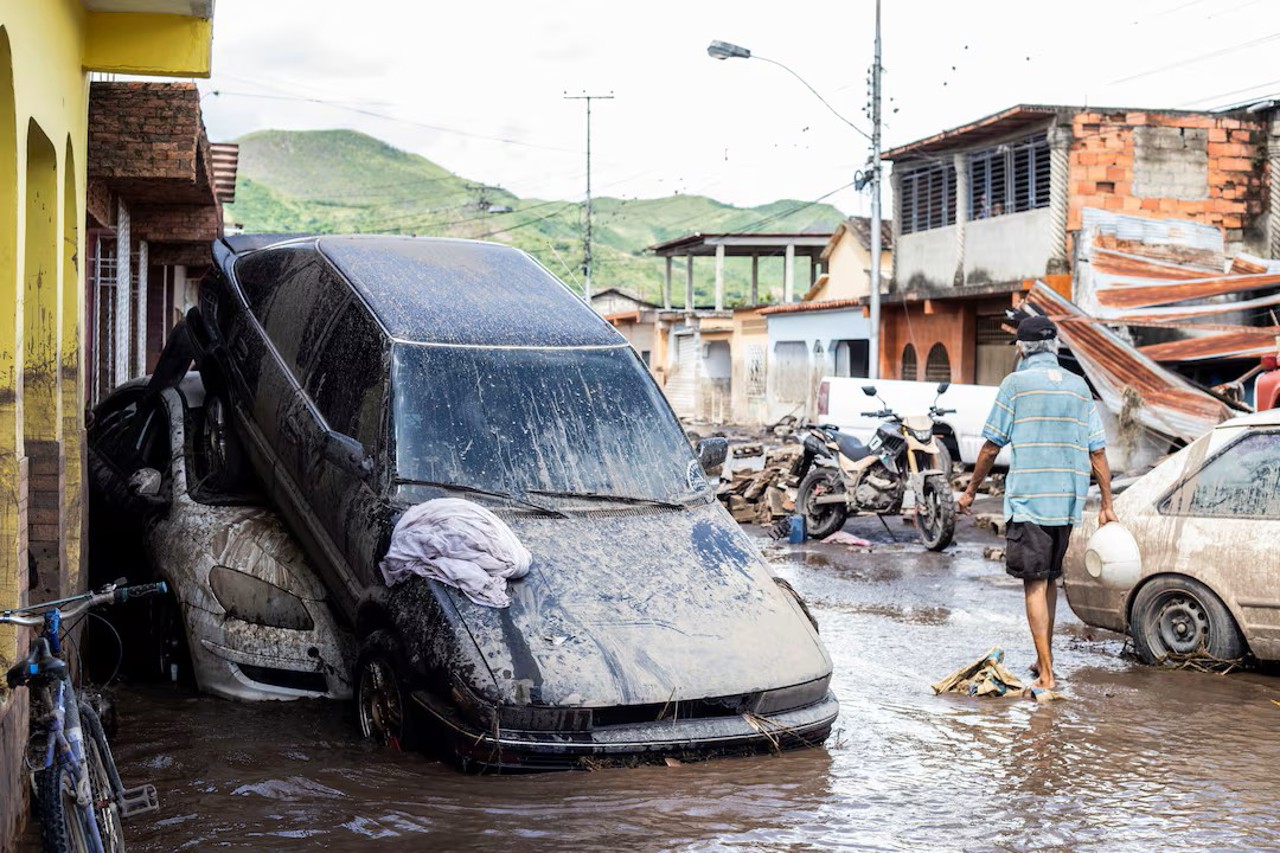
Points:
(1037, 329)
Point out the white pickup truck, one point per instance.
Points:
(841, 402)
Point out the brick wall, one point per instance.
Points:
(175, 223)
(950, 323)
(13, 773)
(1209, 169)
(144, 130)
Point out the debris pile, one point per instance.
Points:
(762, 496)
(993, 485)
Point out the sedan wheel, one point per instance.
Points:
(381, 698)
(1177, 618)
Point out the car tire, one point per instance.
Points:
(1175, 617)
(383, 711)
(821, 521)
(224, 455)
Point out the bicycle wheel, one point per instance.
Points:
(106, 811)
(64, 826)
(103, 780)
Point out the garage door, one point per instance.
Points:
(682, 383)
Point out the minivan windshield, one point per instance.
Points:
(587, 421)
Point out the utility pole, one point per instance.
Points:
(586, 234)
(873, 370)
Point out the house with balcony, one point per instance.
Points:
(984, 209)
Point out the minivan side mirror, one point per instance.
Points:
(943, 386)
(712, 453)
(347, 453)
(869, 390)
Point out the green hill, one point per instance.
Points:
(341, 181)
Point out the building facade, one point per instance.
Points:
(47, 49)
(984, 209)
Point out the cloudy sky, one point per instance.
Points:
(479, 87)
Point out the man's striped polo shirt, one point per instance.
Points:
(1048, 416)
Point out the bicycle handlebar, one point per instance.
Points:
(112, 595)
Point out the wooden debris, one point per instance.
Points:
(764, 495)
(995, 522)
(744, 451)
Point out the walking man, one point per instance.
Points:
(1048, 416)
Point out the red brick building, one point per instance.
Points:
(984, 209)
(155, 195)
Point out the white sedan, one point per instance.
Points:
(1206, 521)
(254, 615)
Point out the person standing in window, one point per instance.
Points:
(1048, 417)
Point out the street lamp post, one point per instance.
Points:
(727, 50)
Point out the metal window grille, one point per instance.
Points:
(990, 330)
(104, 326)
(1009, 178)
(928, 198)
(937, 368)
(755, 371)
(909, 366)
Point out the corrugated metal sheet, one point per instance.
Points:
(1244, 342)
(1131, 384)
(226, 163)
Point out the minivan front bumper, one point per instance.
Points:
(698, 737)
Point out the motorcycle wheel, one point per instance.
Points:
(936, 513)
(821, 520)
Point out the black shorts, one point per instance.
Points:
(1035, 552)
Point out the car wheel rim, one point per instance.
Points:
(216, 433)
(380, 711)
(1182, 624)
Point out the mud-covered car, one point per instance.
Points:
(362, 375)
(251, 614)
(1206, 520)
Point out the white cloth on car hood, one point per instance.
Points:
(458, 543)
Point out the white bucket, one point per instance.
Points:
(1113, 557)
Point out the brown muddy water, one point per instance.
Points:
(1136, 759)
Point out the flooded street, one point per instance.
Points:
(1137, 758)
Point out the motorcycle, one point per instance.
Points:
(839, 475)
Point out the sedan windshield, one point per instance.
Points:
(552, 421)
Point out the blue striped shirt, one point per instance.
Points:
(1048, 416)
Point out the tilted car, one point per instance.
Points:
(1206, 521)
(363, 375)
(253, 614)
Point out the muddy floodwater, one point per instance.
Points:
(1135, 759)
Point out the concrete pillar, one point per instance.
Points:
(140, 314)
(666, 286)
(124, 284)
(688, 283)
(789, 275)
(719, 278)
(1059, 196)
(755, 279)
(961, 163)
(41, 372)
(74, 516)
(1273, 209)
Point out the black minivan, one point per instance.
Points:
(360, 375)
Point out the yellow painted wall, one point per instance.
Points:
(46, 49)
(849, 267)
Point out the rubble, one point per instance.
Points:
(765, 495)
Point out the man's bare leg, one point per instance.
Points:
(1051, 595)
(1037, 596)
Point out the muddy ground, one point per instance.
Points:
(1135, 759)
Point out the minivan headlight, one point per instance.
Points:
(254, 600)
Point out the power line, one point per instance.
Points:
(1222, 51)
(440, 128)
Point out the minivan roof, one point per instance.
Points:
(1264, 418)
(464, 293)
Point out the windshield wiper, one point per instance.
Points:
(475, 490)
(605, 496)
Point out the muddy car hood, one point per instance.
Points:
(642, 606)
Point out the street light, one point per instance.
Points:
(728, 50)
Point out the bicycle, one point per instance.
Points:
(80, 800)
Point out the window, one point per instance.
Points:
(1009, 178)
(1241, 482)
(295, 296)
(349, 375)
(909, 369)
(938, 366)
(928, 198)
